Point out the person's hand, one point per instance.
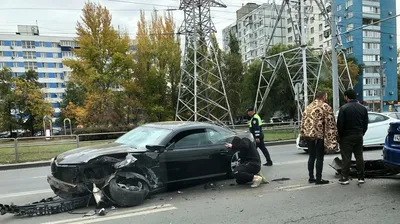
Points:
(228, 145)
(257, 140)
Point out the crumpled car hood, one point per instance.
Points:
(85, 154)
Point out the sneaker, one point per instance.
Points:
(264, 179)
(343, 181)
(257, 181)
(321, 182)
(312, 180)
(361, 181)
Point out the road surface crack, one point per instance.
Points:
(337, 212)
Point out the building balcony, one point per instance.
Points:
(372, 27)
(371, 75)
(371, 51)
(372, 63)
(371, 15)
(372, 39)
(371, 3)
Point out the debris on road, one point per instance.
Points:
(179, 192)
(281, 179)
(372, 168)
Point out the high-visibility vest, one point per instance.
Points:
(256, 116)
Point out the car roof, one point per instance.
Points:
(179, 125)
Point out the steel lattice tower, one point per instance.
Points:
(202, 95)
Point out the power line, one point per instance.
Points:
(373, 23)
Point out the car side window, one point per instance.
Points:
(191, 138)
(373, 118)
(216, 137)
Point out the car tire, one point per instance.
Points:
(127, 197)
(233, 163)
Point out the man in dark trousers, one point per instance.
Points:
(255, 126)
(352, 123)
(250, 162)
(318, 129)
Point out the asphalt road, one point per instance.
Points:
(293, 201)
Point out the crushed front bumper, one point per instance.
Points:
(66, 187)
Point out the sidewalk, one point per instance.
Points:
(47, 163)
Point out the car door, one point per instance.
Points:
(221, 156)
(377, 129)
(189, 156)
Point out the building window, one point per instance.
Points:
(349, 15)
(2, 43)
(1, 54)
(349, 26)
(349, 3)
(289, 30)
(374, 69)
(349, 38)
(29, 54)
(41, 44)
(373, 34)
(350, 50)
(30, 65)
(371, 9)
(28, 44)
(321, 37)
(339, 19)
(320, 27)
(312, 40)
(375, 46)
(339, 7)
(290, 39)
(371, 57)
(54, 44)
(312, 29)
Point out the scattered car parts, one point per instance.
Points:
(372, 168)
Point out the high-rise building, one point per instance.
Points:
(375, 46)
(28, 50)
(253, 28)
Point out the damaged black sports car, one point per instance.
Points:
(143, 161)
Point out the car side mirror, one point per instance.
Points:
(155, 148)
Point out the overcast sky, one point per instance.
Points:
(59, 17)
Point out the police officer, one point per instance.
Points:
(255, 126)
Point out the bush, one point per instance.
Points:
(101, 129)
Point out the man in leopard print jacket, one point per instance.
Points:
(318, 129)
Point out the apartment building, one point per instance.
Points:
(375, 45)
(45, 54)
(253, 29)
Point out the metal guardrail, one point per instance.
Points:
(17, 143)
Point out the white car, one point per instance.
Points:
(378, 125)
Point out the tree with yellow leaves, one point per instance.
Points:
(157, 69)
(104, 63)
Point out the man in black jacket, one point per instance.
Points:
(250, 162)
(352, 123)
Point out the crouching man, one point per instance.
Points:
(249, 169)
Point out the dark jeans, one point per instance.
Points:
(264, 150)
(349, 145)
(316, 151)
(246, 171)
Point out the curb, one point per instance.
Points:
(286, 142)
(24, 165)
(47, 163)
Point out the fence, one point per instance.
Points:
(26, 149)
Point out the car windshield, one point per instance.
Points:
(142, 136)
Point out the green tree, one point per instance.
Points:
(74, 95)
(6, 100)
(105, 61)
(157, 67)
(30, 107)
(233, 76)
